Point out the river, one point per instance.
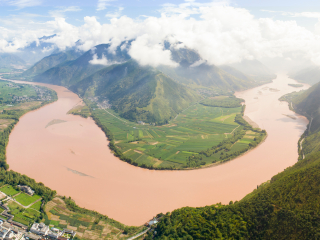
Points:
(72, 157)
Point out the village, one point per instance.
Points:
(43, 94)
(13, 224)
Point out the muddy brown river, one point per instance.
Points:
(70, 154)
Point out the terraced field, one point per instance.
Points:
(88, 224)
(196, 129)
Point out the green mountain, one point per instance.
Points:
(255, 70)
(287, 207)
(137, 93)
(71, 72)
(51, 61)
(8, 60)
(309, 75)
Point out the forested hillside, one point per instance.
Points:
(137, 93)
(287, 207)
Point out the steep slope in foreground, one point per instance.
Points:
(309, 75)
(137, 93)
(287, 207)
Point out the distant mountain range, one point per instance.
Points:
(254, 69)
(51, 61)
(142, 93)
(10, 60)
(309, 75)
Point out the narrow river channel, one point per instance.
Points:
(70, 154)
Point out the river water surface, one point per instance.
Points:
(71, 155)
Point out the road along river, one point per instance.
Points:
(70, 154)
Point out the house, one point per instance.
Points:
(67, 234)
(54, 233)
(14, 235)
(26, 189)
(40, 229)
(4, 232)
(153, 221)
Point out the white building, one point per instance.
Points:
(4, 232)
(26, 189)
(54, 233)
(40, 229)
(153, 221)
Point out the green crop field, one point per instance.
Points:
(9, 190)
(25, 199)
(36, 206)
(22, 215)
(196, 129)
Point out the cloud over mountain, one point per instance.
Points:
(220, 33)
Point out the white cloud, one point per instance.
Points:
(221, 34)
(147, 53)
(24, 3)
(101, 61)
(115, 14)
(296, 14)
(59, 13)
(102, 4)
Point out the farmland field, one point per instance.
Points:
(22, 215)
(196, 129)
(87, 224)
(9, 190)
(25, 199)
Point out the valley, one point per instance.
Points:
(104, 183)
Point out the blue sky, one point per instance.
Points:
(43, 9)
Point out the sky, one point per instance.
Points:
(222, 31)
